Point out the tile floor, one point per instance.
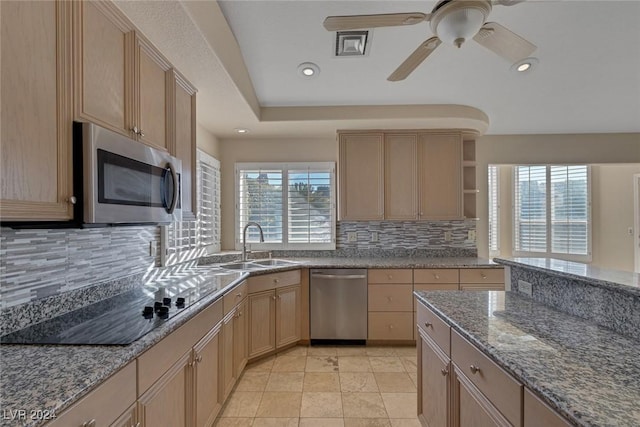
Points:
(327, 387)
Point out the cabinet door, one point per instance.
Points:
(440, 176)
(152, 98)
(400, 176)
(240, 338)
(167, 402)
(36, 111)
(287, 315)
(262, 323)
(184, 142)
(208, 399)
(471, 408)
(361, 176)
(433, 384)
(227, 374)
(103, 52)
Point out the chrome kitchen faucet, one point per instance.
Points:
(244, 238)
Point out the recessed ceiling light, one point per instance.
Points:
(308, 69)
(525, 65)
(241, 130)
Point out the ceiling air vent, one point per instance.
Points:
(352, 43)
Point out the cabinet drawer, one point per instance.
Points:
(266, 282)
(235, 296)
(504, 392)
(435, 327)
(391, 326)
(482, 275)
(435, 275)
(153, 363)
(537, 413)
(390, 297)
(433, 287)
(105, 403)
(390, 275)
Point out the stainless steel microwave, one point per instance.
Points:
(124, 181)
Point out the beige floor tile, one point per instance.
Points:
(242, 404)
(262, 365)
(381, 351)
(321, 381)
(386, 364)
(298, 350)
(401, 405)
(352, 351)
(414, 378)
(275, 422)
(321, 422)
(403, 422)
(285, 381)
(234, 422)
(351, 382)
(410, 351)
(253, 381)
(321, 405)
(322, 364)
(410, 363)
(322, 351)
(363, 405)
(395, 382)
(279, 404)
(354, 364)
(289, 364)
(366, 422)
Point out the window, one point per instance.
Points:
(552, 212)
(208, 178)
(494, 210)
(294, 203)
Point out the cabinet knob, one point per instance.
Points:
(484, 276)
(474, 369)
(73, 200)
(390, 326)
(91, 423)
(444, 372)
(390, 299)
(276, 280)
(199, 358)
(428, 324)
(436, 276)
(390, 276)
(239, 295)
(273, 296)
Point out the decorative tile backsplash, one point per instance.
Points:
(39, 263)
(405, 234)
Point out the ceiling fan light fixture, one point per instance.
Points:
(458, 21)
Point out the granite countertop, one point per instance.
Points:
(612, 279)
(56, 376)
(584, 371)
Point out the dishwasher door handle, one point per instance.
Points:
(339, 276)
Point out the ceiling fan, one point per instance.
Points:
(453, 22)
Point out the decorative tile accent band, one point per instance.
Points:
(613, 309)
(405, 234)
(35, 264)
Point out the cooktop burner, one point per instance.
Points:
(122, 319)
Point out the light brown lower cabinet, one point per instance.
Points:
(241, 338)
(538, 414)
(434, 370)
(128, 419)
(208, 398)
(227, 373)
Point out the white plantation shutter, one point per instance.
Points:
(208, 201)
(569, 210)
(294, 203)
(530, 233)
(494, 210)
(552, 211)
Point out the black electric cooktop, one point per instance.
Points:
(122, 319)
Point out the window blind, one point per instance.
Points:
(310, 206)
(260, 200)
(208, 177)
(530, 222)
(494, 210)
(569, 209)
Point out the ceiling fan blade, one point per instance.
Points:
(506, 2)
(355, 22)
(504, 42)
(415, 59)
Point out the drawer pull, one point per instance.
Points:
(239, 295)
(474, 369)
(390, 326)
(444, 372)
(484, 276)
(273, 297)
(428, 324)
(199, 358)
(91, 423)
(390, 299)
(436, 276)
(390, 276)
(276, 280)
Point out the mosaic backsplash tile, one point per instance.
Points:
(35, 264)
(405, 234)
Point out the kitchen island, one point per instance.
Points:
(587, 373)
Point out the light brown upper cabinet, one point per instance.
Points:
(184, 140)
(420, 172)
(440, 172)
(361, 176)
(36, 111)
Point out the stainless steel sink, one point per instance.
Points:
(242, 266)
(274, 262)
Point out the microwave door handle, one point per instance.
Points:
(176, 189)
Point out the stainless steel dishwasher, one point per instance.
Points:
(338, 306)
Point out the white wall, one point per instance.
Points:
(263, 150)
(207, 142)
